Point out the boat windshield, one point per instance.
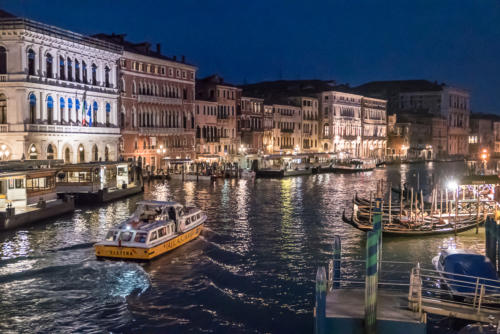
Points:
(126, 236)
(111, 236)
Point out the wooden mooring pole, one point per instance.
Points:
(320, 307)
(337, 255)
(490, 239)
(371, 282)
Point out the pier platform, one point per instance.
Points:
(345, 313)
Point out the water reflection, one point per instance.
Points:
(252, 269)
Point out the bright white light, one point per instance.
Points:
(3, 147)
(33, 149)
(452, 185)
(7, 153)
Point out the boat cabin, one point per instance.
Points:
(23, 188)
(92, 177)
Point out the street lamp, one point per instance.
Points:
(4, 152)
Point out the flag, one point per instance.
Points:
(89, 113)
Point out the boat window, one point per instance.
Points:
(162, 232)
(198, 216)
(126, 236)
(441, 259)
(140, 237)
(188, 221)
(153, 236)
(111, 236)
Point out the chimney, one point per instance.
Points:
(158, 48)
(183, 59)
(175, 58)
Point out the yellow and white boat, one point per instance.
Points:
(154, 229)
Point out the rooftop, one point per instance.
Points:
(142, 48)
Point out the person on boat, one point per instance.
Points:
(171, 214)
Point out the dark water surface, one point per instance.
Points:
(252, 270)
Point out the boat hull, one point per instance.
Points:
(139, 253)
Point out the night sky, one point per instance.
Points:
(354, 41)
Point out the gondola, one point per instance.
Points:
(399, 230)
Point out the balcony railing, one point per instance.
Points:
(159, 99)
(164, 131)
(4, 77)
(63, 128)
(287, 130)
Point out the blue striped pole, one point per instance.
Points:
(377, 224)
(497, 226)
(337, 255)
(491, 231)
(371, 282)
(320, 307)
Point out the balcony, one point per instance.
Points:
(159, 99)
(63, 129)
(164, 131)
(4, 77)
(60, 83)
(287, 130)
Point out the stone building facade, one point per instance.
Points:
(310, 122)
(250, 124)
(287, 124)
(374, 123)
(207, 129)
(58, 93)
(228, 98)
(156, 105)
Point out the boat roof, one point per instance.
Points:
(159, 203)
(142, 226)
(450, 251)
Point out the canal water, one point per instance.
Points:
(251, 271)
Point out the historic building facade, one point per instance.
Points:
(342, 123)
(156, 105)
(250, 124)
(207, 130)
(228, 98)
(310, 122)
(58, 93)
(268, 136)
(287, 121)
(374, 123)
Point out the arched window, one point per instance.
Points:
(70, 69)
(95, 153)
(3, 60)
(77, 71)
(81, 153)
(84, 72)
(77, 109)
(33, 154)
(326, 130)
(123, 88)
(108, 113)
(3, 109)
(67, 155)
(62, 74)
(134, 88)
(106, 76)
(122, 120)
(94, 113)
(61, 110)
(32, 108)
(48, 65)
(50, 110)
(106, 154)
(94, 74)
(50, 152)
(31, 62)
(70, 107)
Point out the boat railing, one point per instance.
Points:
(437, 292)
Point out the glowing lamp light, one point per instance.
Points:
(484, 156)
(452, 185)
(81, 149)
(33, 149)
(4, 147)
(7, 153)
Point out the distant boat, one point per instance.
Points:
(464, 270)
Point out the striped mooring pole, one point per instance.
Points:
(371, 282)
(320, 307)
(337, 254)
(377, 225)
(491, 240)
(497, 228)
